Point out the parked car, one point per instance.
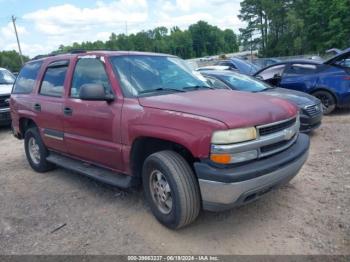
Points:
(329, 81)
(6, 81)
(130, 118)
(310, 107)
(242, 66)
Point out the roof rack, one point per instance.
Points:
(73, 51)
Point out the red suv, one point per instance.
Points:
(128, 118)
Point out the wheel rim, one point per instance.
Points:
(325, 101)
(34, 150)
(161, 192)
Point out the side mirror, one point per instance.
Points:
(94, 92)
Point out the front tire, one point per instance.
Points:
(327, 100)
(36, 151)
(171, 189)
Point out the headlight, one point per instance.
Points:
(233, 136)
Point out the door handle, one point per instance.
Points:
(68, 111)
(37, 107)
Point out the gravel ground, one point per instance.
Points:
(65, 213)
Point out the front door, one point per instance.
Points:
(92, 127)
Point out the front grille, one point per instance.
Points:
(267, 130)
(313, 110)
(5, 116)
(3, 103)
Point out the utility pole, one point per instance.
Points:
(19, 46)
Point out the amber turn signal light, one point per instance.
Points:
(221, 158)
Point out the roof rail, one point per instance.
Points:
(76, 51)
(42, 56)
(73, 51)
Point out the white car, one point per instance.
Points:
(6, 82)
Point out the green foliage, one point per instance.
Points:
(293, 27)
(11, 60)
(200, 39)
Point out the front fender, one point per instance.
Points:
(191, 131)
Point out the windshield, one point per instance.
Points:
(6, 78)
(141, 74)
(245, 66)
(244, 83)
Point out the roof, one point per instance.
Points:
(218, 72)
(76, 53)
(299, 61)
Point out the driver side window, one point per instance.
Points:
(89, 71)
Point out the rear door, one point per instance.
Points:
(92, 130)
(48, 104)
(300, 76)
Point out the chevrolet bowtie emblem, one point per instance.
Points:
(7, 101)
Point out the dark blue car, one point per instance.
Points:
(329, 81)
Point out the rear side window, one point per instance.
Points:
(53, 81)
(27, 78)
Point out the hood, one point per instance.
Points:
(235, 109)
(299, 98)
(5, 89)
(343, 54)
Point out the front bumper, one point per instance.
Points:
(5, 116)
(224, 188)
(308, 123)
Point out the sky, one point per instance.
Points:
(43, 25)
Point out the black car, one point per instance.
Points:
(310, 106)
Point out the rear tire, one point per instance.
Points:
(36, 151)
(171, 189)
(327, 100)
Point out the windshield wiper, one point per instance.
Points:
(198, 87)
(160, 89)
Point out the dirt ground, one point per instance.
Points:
(311, 215)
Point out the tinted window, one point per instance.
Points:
(53, 81)
(301, 69)
(89, 71)
(6, 78)
(142, 74)
(26, 79)
(272, 71)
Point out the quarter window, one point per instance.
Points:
(89, 71)
(26, 79)
(53, 81)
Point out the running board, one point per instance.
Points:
(98, 173)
